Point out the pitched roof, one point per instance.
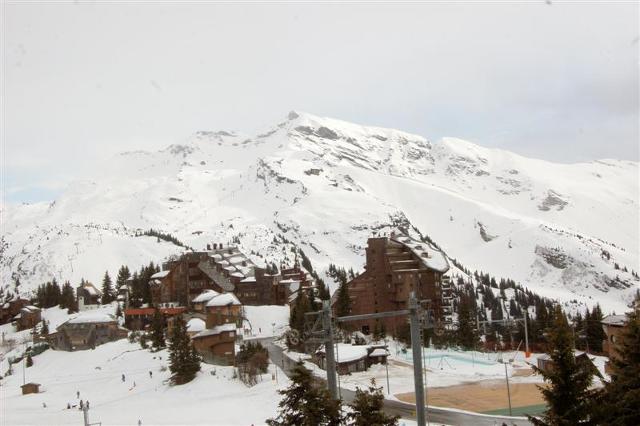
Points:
(430, 256)
(224, 299)
(619, 320)
(215, 330)
(161, 274)
(92, 317)
(205, 296)
(196, 325)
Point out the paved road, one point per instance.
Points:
(405, 409)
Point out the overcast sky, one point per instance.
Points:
(82, 82)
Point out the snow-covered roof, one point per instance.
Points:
(92, 317)
(196, 325)
(431, 257)
(160, 275)
(379, 352)
(237, 274)
(348, 353)
(224, 299)
(249, 280)
(216, 256)
(91, 289)
(619, 320)
(205, 296)
(216, 330)
(246, 270)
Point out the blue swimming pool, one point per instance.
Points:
(434, 359)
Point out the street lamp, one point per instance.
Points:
(506, 376)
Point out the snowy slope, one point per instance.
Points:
(96, 374)
(326, 185)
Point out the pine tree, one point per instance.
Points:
(157, 330)
(123, 276)
(29, 360)
(67, 297)
(367, 408)
(343, 302)
(595, 332)
(297, 317)
(44, 330)
(184, 361)
(568, 395)
(619, 403)
(467, 337)
(107, 289)
(304, 404)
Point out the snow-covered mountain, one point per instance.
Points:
(326, 185)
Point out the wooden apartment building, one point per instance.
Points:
(396, 266)
(223, 270)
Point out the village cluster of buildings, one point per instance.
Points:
(209, 288)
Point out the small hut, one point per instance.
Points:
(30, 388)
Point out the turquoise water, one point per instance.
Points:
(431, 359)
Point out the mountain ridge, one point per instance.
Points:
(329, 183)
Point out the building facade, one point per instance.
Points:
(10, 309)
(28, 317)
(223, 270)
(216, 343)
(86, 331)
(614, 327)
(395, 267)
(87, 297)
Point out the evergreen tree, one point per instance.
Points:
(343, 302)
(44, 330)
(136, 291)
(184, 361)
(304, 404)
(595, 332)
(297, 317)
(467, 337)
(107, 289)
(29, 360)
(67, 297)
(367, 408)
(157, 330)
(619, 403)
(123, 276)
(568, 395)
(323, 290)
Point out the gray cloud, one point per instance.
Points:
(84, 81)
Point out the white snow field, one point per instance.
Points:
(326, 186)
(97, 374)
(266, 321)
